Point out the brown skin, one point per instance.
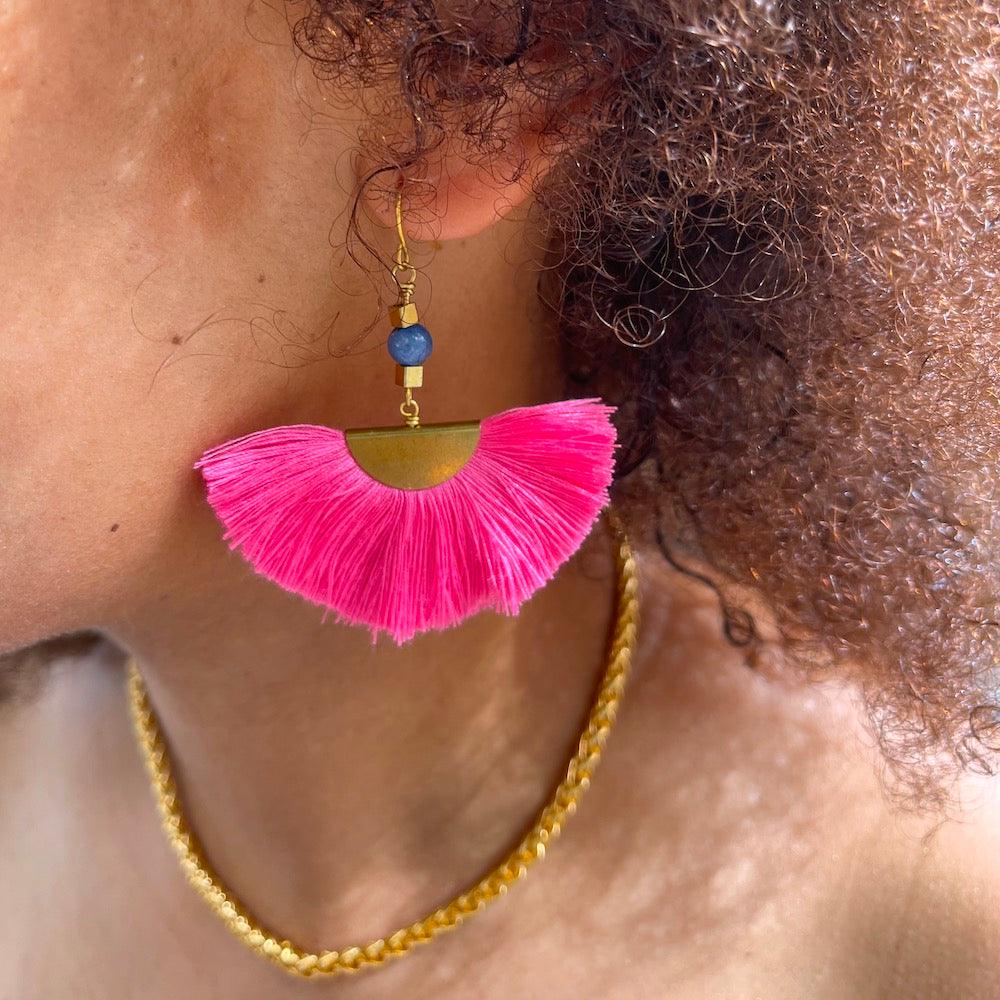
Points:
(735, 842)
(165, 243)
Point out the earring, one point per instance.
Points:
(415, 527)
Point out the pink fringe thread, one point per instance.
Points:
(305, 515)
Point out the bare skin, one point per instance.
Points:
(735, 842)
(167, 282)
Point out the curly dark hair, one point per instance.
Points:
(775, 248)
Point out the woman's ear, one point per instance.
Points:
(456, 194)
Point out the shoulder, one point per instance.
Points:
(949, 901)
(855, 896)
(917, 901)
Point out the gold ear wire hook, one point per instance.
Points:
(401, 259)
(402, 252)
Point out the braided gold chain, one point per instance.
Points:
(302, 962)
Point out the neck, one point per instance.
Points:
(341, 788)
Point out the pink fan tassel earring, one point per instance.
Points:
(415, 527)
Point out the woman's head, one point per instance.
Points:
(790, 206)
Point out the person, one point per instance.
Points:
(766, 233)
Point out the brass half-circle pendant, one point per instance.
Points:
(413, 458)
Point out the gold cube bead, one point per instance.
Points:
(403, 315)
(410, 376)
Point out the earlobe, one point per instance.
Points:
(455, 197)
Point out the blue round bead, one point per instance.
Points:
(410, 345)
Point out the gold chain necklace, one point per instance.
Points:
(302, 962)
